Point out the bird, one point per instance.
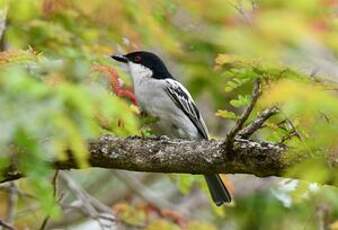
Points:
(160, 95)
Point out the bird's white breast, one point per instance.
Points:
(154, 100)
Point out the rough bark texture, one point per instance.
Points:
(180, 156)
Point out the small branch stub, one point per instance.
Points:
(228, 144)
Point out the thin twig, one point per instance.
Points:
(144, 192)
(92, 207)
(7, 186)
(257, 123)
(54, 183)
(6, 225)
(11, 202)
(244, 116)
(240, 9)
(288, 136)
(290, 128)
(254, 5)
(3, 22)
(325, 117)
(89, 204)
(109, 200)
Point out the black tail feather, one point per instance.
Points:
(219, 193)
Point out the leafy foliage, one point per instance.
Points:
(47, 112)
(56, 77)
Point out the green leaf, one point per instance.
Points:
(240, 101)
(226, 114)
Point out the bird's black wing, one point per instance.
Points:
(184, 101)
(181, 97)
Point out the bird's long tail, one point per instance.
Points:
(219, 193)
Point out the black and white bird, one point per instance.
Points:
(160, 95)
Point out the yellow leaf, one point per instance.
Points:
(334, 225)
(163, 225)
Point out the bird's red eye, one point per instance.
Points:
(137, 58)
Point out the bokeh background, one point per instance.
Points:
(57, 91)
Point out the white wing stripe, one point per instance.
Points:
(184, 101)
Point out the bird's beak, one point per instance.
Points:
(120, 58)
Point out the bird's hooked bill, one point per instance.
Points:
(120, 58)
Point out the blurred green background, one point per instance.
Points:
(55, 94)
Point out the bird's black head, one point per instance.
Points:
(148, 60)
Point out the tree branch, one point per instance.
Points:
(11, 202)
(244, 117)
(181, 156)
(6, 225)
(257, 123)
